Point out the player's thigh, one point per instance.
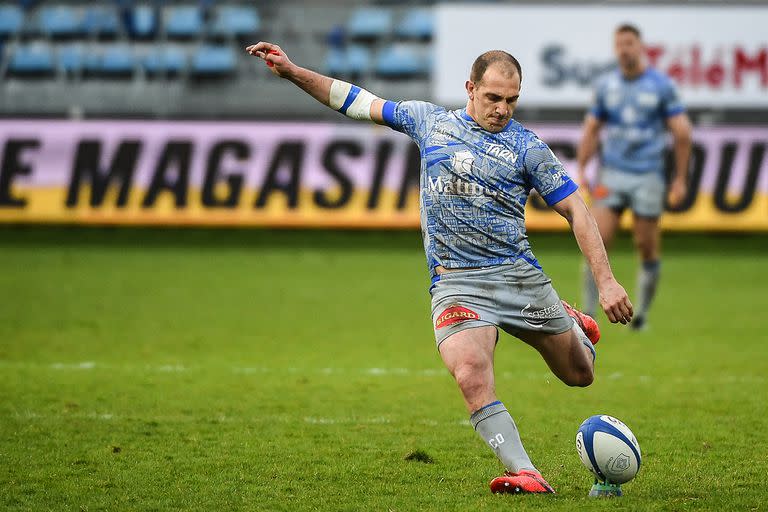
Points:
(564, 353)
(647, 235)
(609, 199)
(647, 195)
(464, 317)
(470, 348)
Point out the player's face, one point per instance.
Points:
(494, 98)
(629, 50)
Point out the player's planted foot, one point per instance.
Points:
(638, 323)
(525, 482)
(586, 322)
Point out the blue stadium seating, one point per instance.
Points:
(400, 61)
(358, 48)
(416, 24)
(101, 21)
(11, 20)
(183, 22)
(234, 20)
(353, 61)
(336, 62)
(143, 22)
(214, 61)
(369, 23)
(60, 21)
(71, 58)
(118, 60)
(165, 60)
(32, 59)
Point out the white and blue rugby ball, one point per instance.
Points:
(608, 449)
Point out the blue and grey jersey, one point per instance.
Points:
(475, 184)
(635, 112)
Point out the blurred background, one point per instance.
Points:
(152, 113)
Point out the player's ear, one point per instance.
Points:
(470, 86)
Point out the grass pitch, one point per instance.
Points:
(257, 370)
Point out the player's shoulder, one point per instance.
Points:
(527, 137)
(658, 78)
(610, 78)
(420, 106)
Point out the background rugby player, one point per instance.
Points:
(478, 167)
(636, 104)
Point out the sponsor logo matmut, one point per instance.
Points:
(453, 315)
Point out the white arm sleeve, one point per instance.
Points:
(351, 100)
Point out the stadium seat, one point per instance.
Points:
(34, 59)
(352, 62)
(183, 22)
(117, 60)
(236, 21)
(60, 21)
(71, 58)
(400, 61)
(214, 61)
(11, 20)
(336, 62)
(369, 23)
(101, 21)
(416, 24)
(143, 22)
(165, 60)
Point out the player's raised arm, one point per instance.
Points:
(350, 100)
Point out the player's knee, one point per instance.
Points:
(646, 249)
(583, 377)
(471, 378)
(580, 377)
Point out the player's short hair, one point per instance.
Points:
(484, 61)
(628, 27)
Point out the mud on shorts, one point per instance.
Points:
(515, 297)
(642, 193)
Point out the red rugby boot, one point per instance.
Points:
(525, 482)
(586, 322)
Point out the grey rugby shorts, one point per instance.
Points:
(642, 193)
(515, 297)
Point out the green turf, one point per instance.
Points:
(256, 370)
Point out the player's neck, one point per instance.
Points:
(471, 111)
(633, 73)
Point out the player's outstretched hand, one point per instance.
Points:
(273, 56)
(615, 302)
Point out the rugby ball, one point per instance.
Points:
(609, 449)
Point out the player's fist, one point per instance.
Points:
(615, 302)
(677, 192)
(273, 56)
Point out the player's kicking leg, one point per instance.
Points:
(468, 355)
(570, 354)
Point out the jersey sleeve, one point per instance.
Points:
(598, 104)
(408, 117)
(671, 104)
(546, 174)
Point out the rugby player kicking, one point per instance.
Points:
(478, 167)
